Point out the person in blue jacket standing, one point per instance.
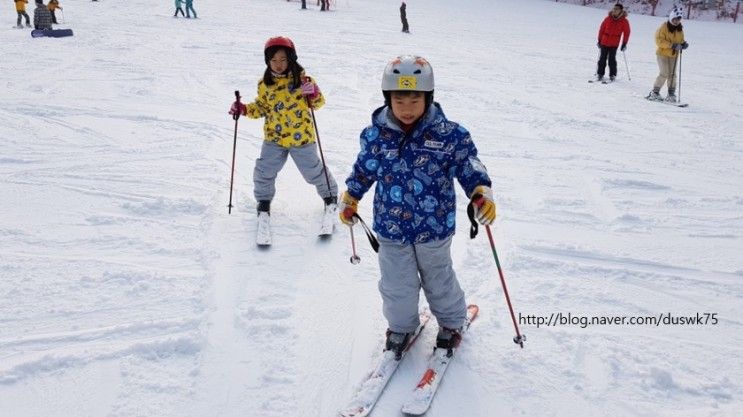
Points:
(189, 8)
(414, 154)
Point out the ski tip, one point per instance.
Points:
(354, 412)
(473, 310)
(414, 409)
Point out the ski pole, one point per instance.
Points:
(63, 19)
(626, 65)
(673, 71)
(319, 146)
(520, 338)
(354, 258)
(234, 149)
(681, 54)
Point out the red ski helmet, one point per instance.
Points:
(279, 42)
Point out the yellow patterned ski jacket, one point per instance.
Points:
(288, 120)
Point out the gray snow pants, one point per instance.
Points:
(406, 268)
(272, 159)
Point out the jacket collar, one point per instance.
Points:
(621, 15)
(383, 118)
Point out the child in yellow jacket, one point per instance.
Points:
(669, 38)
(285, 99)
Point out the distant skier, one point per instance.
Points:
(189, 9)
(670, 41)
(178, 8)
(285, 96)
(20, 8)
(614, 30)
(42, 16)
(52, 6)
(404, 18)
(415, 156)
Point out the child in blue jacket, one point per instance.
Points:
(414, 154)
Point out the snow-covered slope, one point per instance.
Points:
(126, 289)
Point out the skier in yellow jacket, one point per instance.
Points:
(285, 97)
(20, 8)
(669, 38)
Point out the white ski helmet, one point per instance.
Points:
(676, 12)
(408, 72)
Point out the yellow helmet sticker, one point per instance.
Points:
(407, 82)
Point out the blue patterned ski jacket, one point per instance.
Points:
(414, 200)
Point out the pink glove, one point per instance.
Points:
(238, 109)
(310, 89)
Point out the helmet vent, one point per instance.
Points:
(396, 71)
(417, 71)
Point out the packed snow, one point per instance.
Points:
(127, 290)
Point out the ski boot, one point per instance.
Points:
(612, 78)
(331, 204)
(654, 95)
(264, 205)
(448, 339)
(396, 342)
(28, 25)
(671, 97)
(599, 78)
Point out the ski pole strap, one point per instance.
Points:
(372, 239)
(471, 215)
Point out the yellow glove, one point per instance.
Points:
(482, 196)
(347, 209)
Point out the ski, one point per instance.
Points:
(438, 362)
(371, 387)
(263, 234)
(327, 224)
(670, 103)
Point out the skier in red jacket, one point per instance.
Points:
(614, 28)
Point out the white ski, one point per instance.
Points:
(263, 232)
(424, 392)
(328, 220)
(670, 103)
(371, 388)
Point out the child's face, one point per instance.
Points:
(408, 108)
(279, 62)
